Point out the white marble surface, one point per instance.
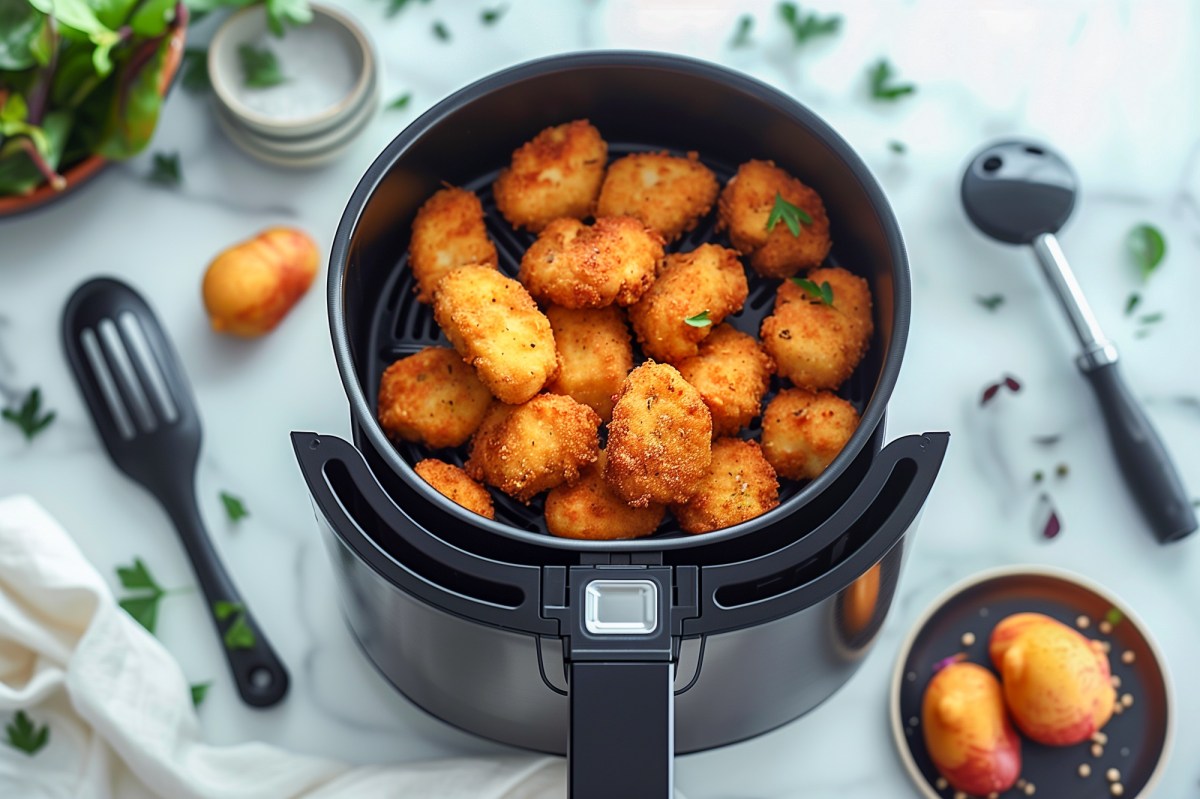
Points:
(1111, 83)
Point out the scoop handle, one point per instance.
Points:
(1142, 458)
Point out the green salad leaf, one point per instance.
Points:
(21, 27)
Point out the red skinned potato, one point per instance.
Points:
(967, 732)
(251, 286)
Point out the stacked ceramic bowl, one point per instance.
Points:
(297, 100)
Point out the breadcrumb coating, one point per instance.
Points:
(738, 486)
(556, 174)
(454, 484)
(595, 354)
(448, 232)
(432, 397)
(592, 266)
(732, 373)
(590, 509)
(669, 194)
(803, 431)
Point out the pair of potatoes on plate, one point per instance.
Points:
(1055, 684)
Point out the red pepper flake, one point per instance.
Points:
(1012, 383)
(950, 661)
(1009, 382)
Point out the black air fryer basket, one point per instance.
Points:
(597, 648)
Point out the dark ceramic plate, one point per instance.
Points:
(1139, 737)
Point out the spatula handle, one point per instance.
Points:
(260, 676)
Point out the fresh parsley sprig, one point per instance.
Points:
(400, 103)
(25, 736)
(29, 416)
(805, 27)
(235, 508)
(991, 301)
(822, 293)
(741, 34)
(440, 31)
(699, 320)
(143, 605)
(490, 16)
(790, 215)
(238, 635)
(260, 68)
(166, 170)
(883, 86)
(199, 691)
(1147, 247)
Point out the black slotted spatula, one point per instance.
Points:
(142, 407)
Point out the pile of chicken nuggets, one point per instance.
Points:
(541, 362)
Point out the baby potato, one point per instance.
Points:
(591, 266)
(967, 732)
(590, 509)
(669, 194)
(732, 373)
(526, 449)
(497, 328)
(594, 355)
(708, 279)
(454, 484)
(432, 397)
(1057, 682)
(816, 345)
(251, 286)
(556, 174)
(803, 431)
(447, 233)
(738, 485)
(660, 437)
(745, 208)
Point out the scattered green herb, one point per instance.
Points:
(238, 634)
(898, 147)
(1039, 476)
(396, 6)
(25, 736)
(822, 293)
(741, 34)
(166, 170)
(441, 31)
(1062, 470)
(401, 102)
(882, 85)
(280, 13)
(1147, 248)
(260, 68)
(195, 70)
(235, 509)
(29, 417)
(699, 320)
(143, 607)
(1114, 616)
(199, 691)
(490, 16)
(807, 26)
(1132, 303)
(791, 215)
(1151, 318)
(991, 301)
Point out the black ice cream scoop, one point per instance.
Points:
(1022, 192)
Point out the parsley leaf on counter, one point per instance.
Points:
(1147, 247)
(741, 36)
(29, 417)
(199, 691)
(898, 147)
(490, 16)
(882, 87)
(195, 70)
(1151, 318)
(823, 292)
(235, 509)
(1132, 303)
(238, 635)
(699, 320)
(991, 302)
(807, 26)
(441, 31)
(400, 103)
(260, 69)
(791, 215)
(143, 607)
(166, 170)
(24, 735)
(396, 6)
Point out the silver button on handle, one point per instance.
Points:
(621, 607)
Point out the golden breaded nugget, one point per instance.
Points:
(556, 174)
(803, 431)
(591, 266)
(667, 193)
(745, 208)
(660, 437)
(590, 509)
(709, 278)
(816, 345)
(526, 449)
(432, 397)
(497, 328)
(732, 373)
(454, 484)
(738, 485)
(447, 233)
(594, 355)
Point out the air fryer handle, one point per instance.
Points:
(622, 734)
(1143, 459)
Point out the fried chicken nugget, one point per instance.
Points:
(669, 194)
(447, 233)
(660, 437)
(454, 484)
(526, 449)
(745, 207)
(732, 373)
(591, 266)
(432, 397)
(816, 345)
(590, 509)
(803, 431)
(497, 328)
(738, 485)
(558, 173)
(709, 278)
(594, 355)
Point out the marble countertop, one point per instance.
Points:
(1110, 83)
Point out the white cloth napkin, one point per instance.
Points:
(120, 713)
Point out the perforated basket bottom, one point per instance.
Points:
(401, 326)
